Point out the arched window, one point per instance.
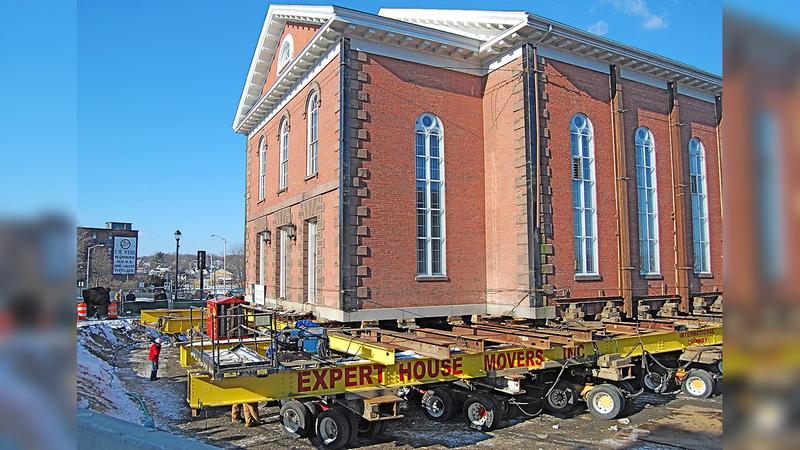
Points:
(312, 116)
(262, 167)
(286, 52)
(284, 144)
(648, 202)
(584, 211)
(697, 175)
(429, 151)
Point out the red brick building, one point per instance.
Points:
(420, 163)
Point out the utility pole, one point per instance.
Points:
(89, 261)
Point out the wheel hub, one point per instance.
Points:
(328, 430)
(696, 386)
(603, 403)
(291, 420)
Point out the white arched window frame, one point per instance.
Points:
(648, 202)
(312, 115)
(262, 167)
(286, 52)
(429, 158)
(584, 199)
(284, 157)
(700, 234)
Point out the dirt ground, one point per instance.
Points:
(654, 421)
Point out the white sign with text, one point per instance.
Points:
(124, 262)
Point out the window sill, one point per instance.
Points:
(312, 176)
(704, 275)
(432, 278)
(588, 277)
(652, 276)
(281, 191)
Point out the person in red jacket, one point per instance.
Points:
(155, 352)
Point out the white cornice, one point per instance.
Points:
(467, 41)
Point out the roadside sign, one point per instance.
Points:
(124, 257)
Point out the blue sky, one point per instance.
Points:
(158, 83)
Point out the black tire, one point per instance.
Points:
(369, 429)
(698, 383)
(482, 412)
(561, 399)
(655, 381)
(296, 419)
(605, 401)
(438, 404)
(332, 430)
(353, 419)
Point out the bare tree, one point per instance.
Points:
(235, 265)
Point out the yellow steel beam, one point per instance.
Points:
(354, 377)
(151, 316)
(372, 351)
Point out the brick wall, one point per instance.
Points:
(305, 197)
(504, 162)
(648, 106)
(570, 90)
(301, 33)
(699, 121)
(394, 94)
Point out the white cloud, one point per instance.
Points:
(640, 9)
(599, 28)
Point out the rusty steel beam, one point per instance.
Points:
(676, 154)
(624, 266)
(512, 336)
(410, 342)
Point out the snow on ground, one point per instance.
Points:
(109, 383)
(99, 388)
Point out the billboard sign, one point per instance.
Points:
(124, 260)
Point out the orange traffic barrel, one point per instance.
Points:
(82, 311)
(112, 310)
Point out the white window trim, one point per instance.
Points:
(644, 237)
(262, 168)
(311, 262)
(427, 210)
(282, 255)
(284, 154)
(702, 175)
(262, 258)
(288, 42)
(593, 186)
(312, 152)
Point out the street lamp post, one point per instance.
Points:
(224, 257)
(177, 251)
(89, 261)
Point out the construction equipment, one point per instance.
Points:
(335, 379)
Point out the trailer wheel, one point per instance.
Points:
(655, 381)
(370, 429)
(297, 419)
(562, 398)
(438, 404)
(605, 401)
(353, 419)
(482, 412)
(698, 384)
(333, 430)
